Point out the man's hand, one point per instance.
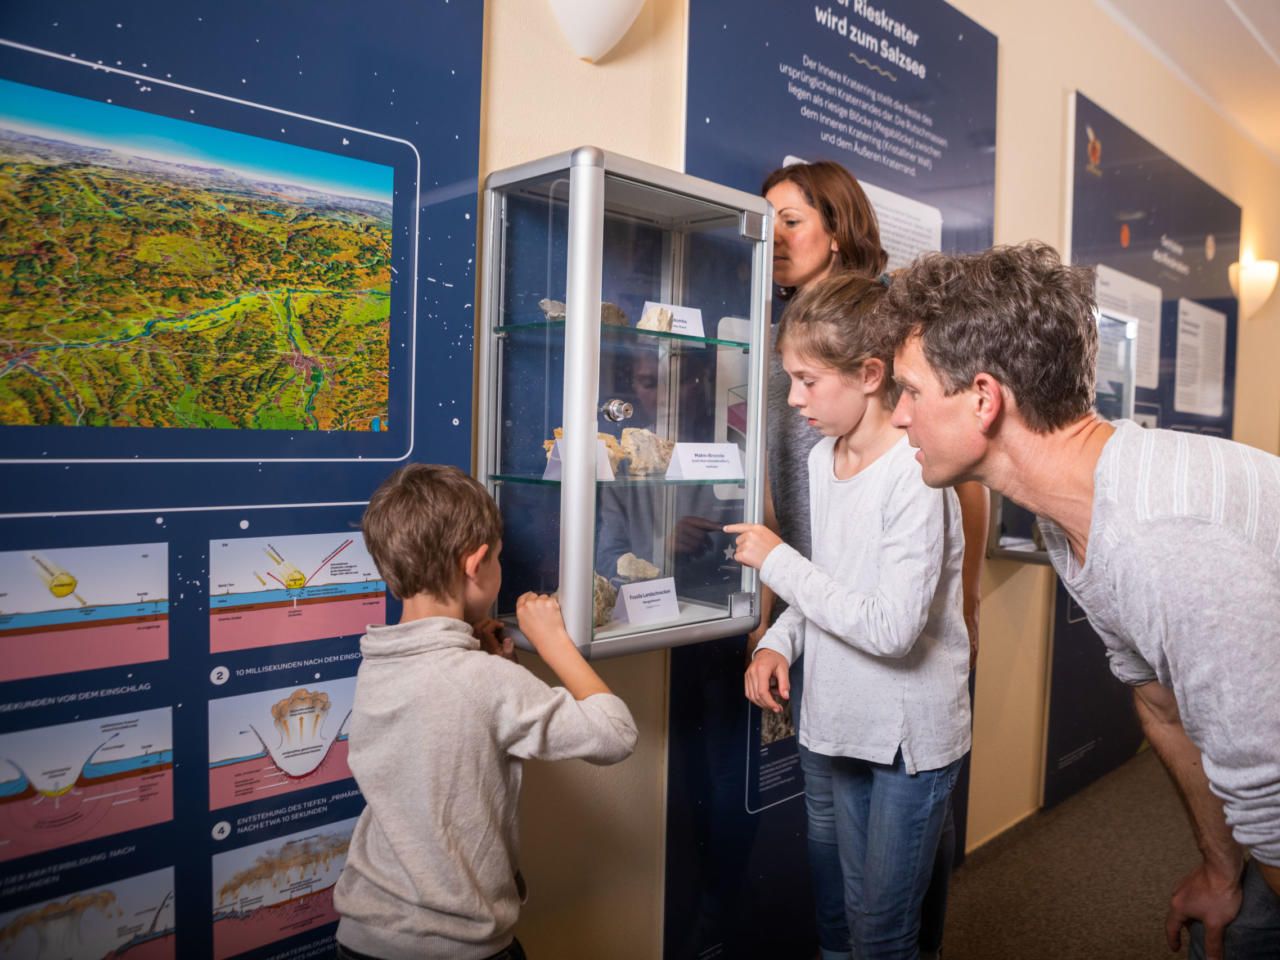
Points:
(754, 543)
(540, 620)
(1207, 896)
(1211, 892)
(489, 632)
(768, 668)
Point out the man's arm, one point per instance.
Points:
(1211, 892)
(975, 518)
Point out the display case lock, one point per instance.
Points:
(618, 410)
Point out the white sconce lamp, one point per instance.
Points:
(1253, 282)
(592, 27)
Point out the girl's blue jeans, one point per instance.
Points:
(887, 824)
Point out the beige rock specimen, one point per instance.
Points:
(632, 567)
(616, 455)
(604, 597)
(611, 315)
(656, 318)
(648, 453)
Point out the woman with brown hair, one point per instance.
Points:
(824, 223)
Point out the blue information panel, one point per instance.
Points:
(235, 292)
(904, 96)
(1161, 239)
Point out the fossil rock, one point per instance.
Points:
(656, 318)
(632, 567)
(611, 314)
(603, 597)
(616, 454)
(648, 453)
(552, 309)
(614, 449)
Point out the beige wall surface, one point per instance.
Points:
(594, 838)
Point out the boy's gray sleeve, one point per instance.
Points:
(539, 722)
(888, 622)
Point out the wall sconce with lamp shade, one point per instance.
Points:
(1253, 282)
(592, 27)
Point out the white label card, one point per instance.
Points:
(649, 601)
(686, 321)
(1120, 293)
(1199, 375)
(705, 461)
(555, 468)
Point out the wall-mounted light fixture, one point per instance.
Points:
(592, 27)
(1253, 282)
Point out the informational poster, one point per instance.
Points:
(1120, 295)
(1199, 373)
(1161, 240)
(237, 272)
(904, 96)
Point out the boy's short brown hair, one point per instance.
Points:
(421, 522)
(837, 321)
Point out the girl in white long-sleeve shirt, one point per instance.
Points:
(877, 613)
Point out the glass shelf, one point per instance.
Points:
(619, 331)
(617, 482)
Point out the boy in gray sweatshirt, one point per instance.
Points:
(440, 727)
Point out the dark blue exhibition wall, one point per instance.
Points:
(236, 283)
(904, 96)
(1161, 239)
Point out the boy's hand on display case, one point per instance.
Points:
(541, 621)
(754, 543)
(489, 632)
(768, 671)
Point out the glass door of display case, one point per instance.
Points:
(622, 333)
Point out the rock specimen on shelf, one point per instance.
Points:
(647, 452)
(631, 567)
(553, 310)
(614, 449)
(604, 597)
(611, 314)
(656, 318)
(616, 454)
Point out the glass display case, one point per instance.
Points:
(623, 330)
(1013, 533)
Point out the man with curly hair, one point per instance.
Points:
(1169, 541)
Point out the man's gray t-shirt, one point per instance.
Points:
(1182, 582)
